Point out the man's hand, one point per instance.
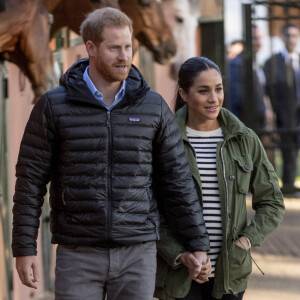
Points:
(189, 260)
(28, 270)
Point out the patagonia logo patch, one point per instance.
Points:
(134, 119)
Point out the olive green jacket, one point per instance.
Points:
(243, 167)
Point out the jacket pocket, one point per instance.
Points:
(243, 174)
(240, 266)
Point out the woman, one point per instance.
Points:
(227, 161)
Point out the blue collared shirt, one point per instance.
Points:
(98, 95)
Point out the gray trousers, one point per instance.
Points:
(90, 273)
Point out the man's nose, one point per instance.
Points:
(122, 54)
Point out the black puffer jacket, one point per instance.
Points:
(100, 164)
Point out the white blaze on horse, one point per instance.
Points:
(182, 16)
(24, 41)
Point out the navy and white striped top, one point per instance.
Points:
(205, 146)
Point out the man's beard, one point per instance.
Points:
(110, 74)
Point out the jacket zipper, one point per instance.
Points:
(63, 197)
(226, 203)
(109, 177)
(224, 177)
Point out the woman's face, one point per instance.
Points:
(205, 97)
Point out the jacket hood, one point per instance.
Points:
(77, 90)
(230, 124)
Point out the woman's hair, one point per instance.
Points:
(188, 72)
(92, 27)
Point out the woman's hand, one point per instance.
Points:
(242, 242)
(205, 272)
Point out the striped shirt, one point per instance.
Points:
(205, 146)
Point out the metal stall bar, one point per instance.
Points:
(5, 207)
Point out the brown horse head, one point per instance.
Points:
(150, 27)
(24, 41)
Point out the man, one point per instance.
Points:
(234, 49)
(99, 138)
(236, 83)
(283, 86)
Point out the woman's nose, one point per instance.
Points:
(213, 97)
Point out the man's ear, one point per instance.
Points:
(90, 48)
(182, 94)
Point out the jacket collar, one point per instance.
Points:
(230, 124)
(77, 90)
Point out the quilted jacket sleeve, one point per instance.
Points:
(33, 173)
(178, 196)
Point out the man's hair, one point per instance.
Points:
(285, 28)
(234, 42)
(93, 25)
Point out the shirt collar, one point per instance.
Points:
(97, 94)
(288, 55)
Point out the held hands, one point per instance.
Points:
(198, 265)
(27, 270)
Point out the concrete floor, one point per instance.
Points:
(279, 258)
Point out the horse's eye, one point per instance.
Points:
(145, 3)
(179, 19)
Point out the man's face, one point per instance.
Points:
(256, 40)
(113, 56)
(291, 38)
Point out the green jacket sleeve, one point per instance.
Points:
(168, 246)
(267, 200)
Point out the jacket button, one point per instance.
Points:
(247, 167)
(231, 177)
